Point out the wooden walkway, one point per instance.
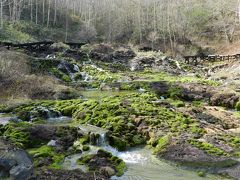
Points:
(37, 46)
(195, 60)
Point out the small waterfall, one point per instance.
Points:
(85, 76)
(43, 112)
(102, 140)
(101, 70)
(66, 66)
(76, 68)
(103, 143)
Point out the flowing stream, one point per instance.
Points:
(5, 118)
(141, 164)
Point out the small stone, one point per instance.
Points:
(107, 170)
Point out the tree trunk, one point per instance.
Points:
(49, 9)
(43, 11)
(1, 14)
(55, 12)
(36, 16)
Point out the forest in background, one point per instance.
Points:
(161, 24)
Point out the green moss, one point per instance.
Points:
(99, 74)
(176, 103)
(118, 143)
(57, 161)
(24, 115)
(85, 148)
(208, 148)
(3, 108)
(197, 103)
(155, 76)
(162, 144)
(138, 140)
(85, 159)
(17, 134)
(47, 152)
(238, 106)
(174, 92)
(43, 151)
(201, 174)
(121, 168)
(60, 75)
(84, 140)
(117, 113)
(65, 107)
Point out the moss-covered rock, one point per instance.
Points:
(117, 143)
(46, 156)
(102, 161)
(162, 144)
(208, 148)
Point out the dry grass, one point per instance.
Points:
(16, 81)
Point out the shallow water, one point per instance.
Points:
(4, 118)
(142, 165)
(59, 120)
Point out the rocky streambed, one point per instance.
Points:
(124, 115)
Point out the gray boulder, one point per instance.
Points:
(15, 164)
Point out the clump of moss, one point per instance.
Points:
(238, 106)
(3, 108)
(162, 144)
(60, 75)
(119, 114)
(65, 107)
(20, 135)
(48, 152)
(85, 148)
(208, 148)
(17, 134)
(121, 168)
(176, 103)
(201, 174)
(85, 159)
(118, 143)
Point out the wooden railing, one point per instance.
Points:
(37, 46)
(195, 60)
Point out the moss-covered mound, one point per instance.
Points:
(131, 118)
(103, 161)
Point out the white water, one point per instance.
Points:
(59, 120)
(76, 68)
(4, 118)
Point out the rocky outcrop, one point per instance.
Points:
(188, 155)
(140, 63)
(59, 47)
(111, 53)
(14, 163)
(195, 91)
(64, 136)
(228, 100)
